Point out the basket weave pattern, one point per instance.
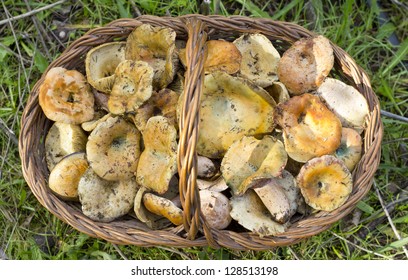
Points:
(195, 231)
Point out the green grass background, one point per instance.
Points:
(376, 229)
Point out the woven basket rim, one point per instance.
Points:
(197, 29)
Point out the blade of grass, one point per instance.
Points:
(400, 56)
(253, 9)
(282, 12)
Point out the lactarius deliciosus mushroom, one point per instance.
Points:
(305, 65)
(65, 96)
(158, 161)
(63, 139)
(156, 46)
(348, 104)
(259, 59)
(104, 200)
(64, 178)
(310, 129)
(216, 209)
(325, 182)
(113, 149)
(163, 207)
(231, 108)
(101, 62)
(350, 148)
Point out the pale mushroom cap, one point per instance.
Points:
(259, 59)
(64, 178)
(218, 185)
(163, 207)
(101, 62)
(231, 108)
(346, 102)
(104, 200)
(305, 65)
(310, 129)
(205, 168)
(65, 96)
(325, 183)
(63, 139)
(113, 149)
(278, 92)
(350, 148)
(216, 209)
(91, 125)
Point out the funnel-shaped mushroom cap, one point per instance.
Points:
(65, 96)
(101, 62)
(305, 65)
(158, 161)
(250, 212)
(310, 129)
(249, 160)
(325, 183)
(350, 148)
(231, 108)
(113, 149)
(163, 207)
(157, 47)
(216, 209)
(346, 102)
(259, 59)
(132, 86)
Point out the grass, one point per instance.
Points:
(28, 44)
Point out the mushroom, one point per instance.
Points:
(113, 149)
(348, 104)
(66, 97)
(305, 65)
(92, 124)
(259, 59)
(156, 46)
(104, 200)
(163, 207)
(325, 182)
(216, 209)
(278, 92)
(250, 212)
(350, 148)
(64, 178)
(230, 108)
(101, 62)
(158, 161)
(205, 168)
(310, 129)
(218, 185)
(132, 86)
(249, 162)
(63, 139)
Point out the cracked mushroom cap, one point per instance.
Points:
(131, 88)
(104, 200)
(216, 209)
(65, 96)
(101, 62)
(347, 103)
(163, 207)
(350, 148)
(259, 59)
(157, 47)
(158, 161)
(325, 183)
(231, 108)
(249, 162)
(310, 129)
(113, 149)
(305, 65)
(64, 178)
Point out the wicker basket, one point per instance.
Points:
(194, 231)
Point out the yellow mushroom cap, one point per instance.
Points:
(163, 207)
(325, 182)
(350, 148)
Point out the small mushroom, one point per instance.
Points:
(131, 88)
(310, 129)
(103, 200)
(325, 182)
(64, 178)
(259, 59)
(65, 96)
(216, 209)
(348, 104)
(218, 185)
(305, 65)
(63, 139)
(205, 168)
(158, 161)
(163, 207)
(156, 46)
(101, 62)
(250, 212)
(350, 148)
(113, 149)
